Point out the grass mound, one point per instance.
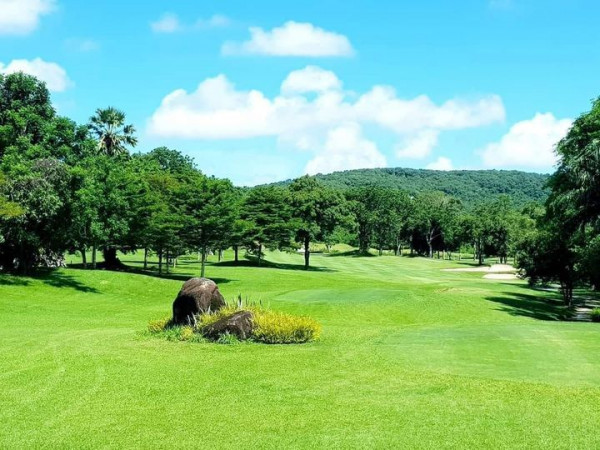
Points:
(270, 327)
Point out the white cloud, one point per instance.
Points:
(168, 23)
(418, 146)
(346, 149)
(310, 106)
(310, 79)
(291, 39)
(528, 144)
(54, 75)
(441, 163)
(23, 16)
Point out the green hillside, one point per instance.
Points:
(470, 186)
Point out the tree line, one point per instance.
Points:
(68, 187)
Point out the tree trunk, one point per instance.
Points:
(94, 256)
(160, 257)
(220, 253)
(146, 258)
(167, 265)
(259, 253)
(306, 252)
(203, 263)
(236, 250)
(110, 257)
(83, 257)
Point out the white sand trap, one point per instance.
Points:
(495, 272)
(496, 268)
(500, 276)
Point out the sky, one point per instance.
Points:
(267, 90)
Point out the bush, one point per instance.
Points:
(270, 327)
(595, 315)
(278, 328)
(157, 326)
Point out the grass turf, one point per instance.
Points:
(410, 356)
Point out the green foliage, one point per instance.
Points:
(268, 219)
(317, 211)
(113, 135)
(270, 327)
(471, 187)
(595, 315)
(158, 325)
(279, 328)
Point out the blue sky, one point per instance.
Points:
(260, 91)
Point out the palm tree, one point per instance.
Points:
(113, 135)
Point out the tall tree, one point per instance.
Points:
(266, 211)
(113, 135)
(209, 204)
(317, 211)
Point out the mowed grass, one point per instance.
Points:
(410, 357)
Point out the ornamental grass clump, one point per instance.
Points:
(273, 327)
(269, 327)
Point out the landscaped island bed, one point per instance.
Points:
(410, 356)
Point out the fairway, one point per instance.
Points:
(411, 356)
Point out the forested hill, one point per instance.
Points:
(470, 186)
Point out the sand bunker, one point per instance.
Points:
(494, 272)
(496, 268)
(500, 276)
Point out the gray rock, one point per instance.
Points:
(239, 323)
(197, 296)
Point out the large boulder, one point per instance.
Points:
(198, 295)
(239, 323)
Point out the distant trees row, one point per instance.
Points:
(67, 187)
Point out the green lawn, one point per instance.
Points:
(410, 356)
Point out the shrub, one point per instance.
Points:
(228, 339)
(270, 327)
(157, 326)
(278, 328)
(595, 315)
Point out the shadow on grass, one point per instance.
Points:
(154, 273)
(350, 253)
(252, 261)
(13, 280)
(527, 305)
(50, 277)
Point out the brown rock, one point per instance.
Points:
(197, 296)
(239, 323)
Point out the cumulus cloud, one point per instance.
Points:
(310, 79)
(54, 75)
(346, 149)
(313, 113)
(23, 16)
(418, 146)
(442, 163)
(528, 144)
(291, 39)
